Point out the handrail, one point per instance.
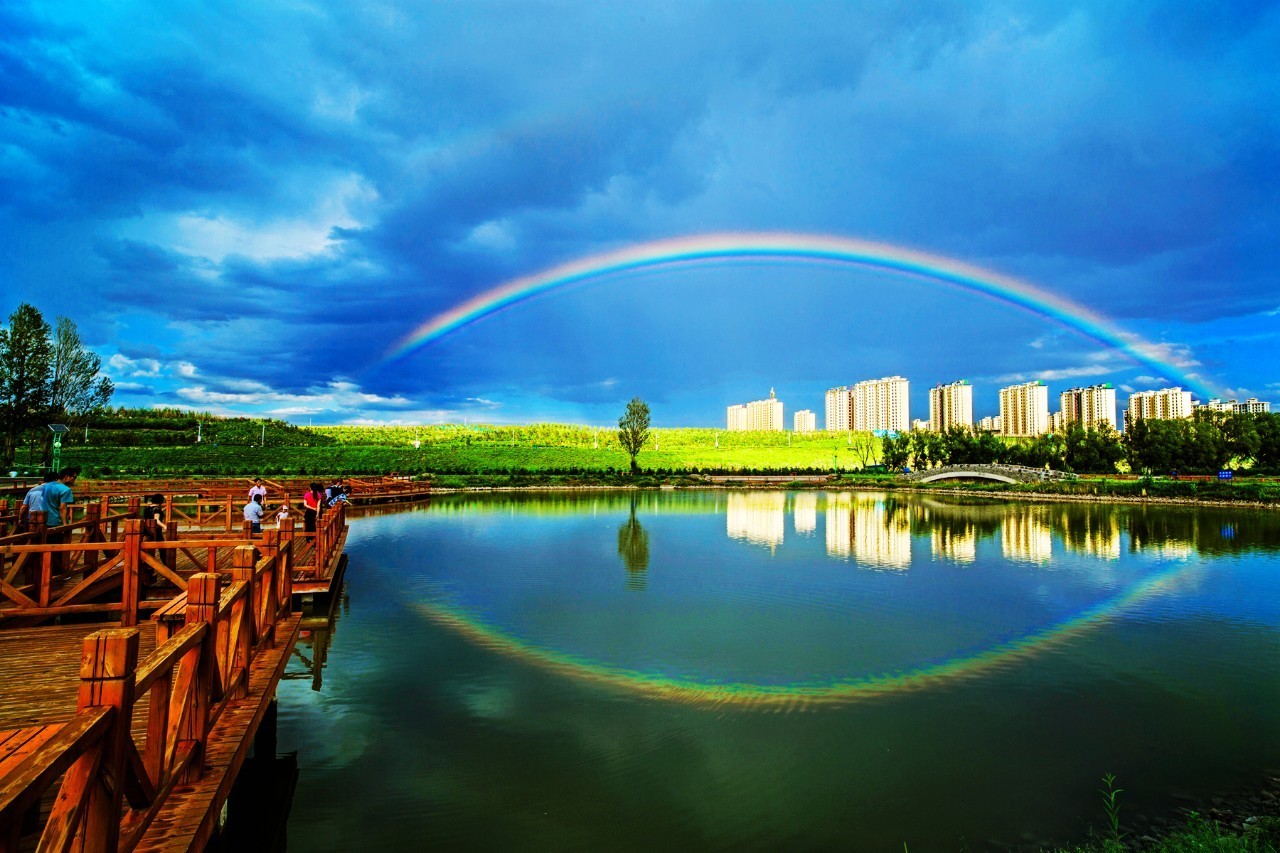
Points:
(112, 790)
(24, 787)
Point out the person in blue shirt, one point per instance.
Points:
(58, 494)
(253, 513)
(34, 500)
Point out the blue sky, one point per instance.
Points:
(244, 206)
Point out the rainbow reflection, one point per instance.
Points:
(799, 696)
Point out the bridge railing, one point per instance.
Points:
(111, 789)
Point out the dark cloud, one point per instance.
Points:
(278, 193)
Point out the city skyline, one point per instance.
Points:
(527, 212)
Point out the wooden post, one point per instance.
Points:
(228, 507)
(243, 560)
(135, 506)
(132, 562)
(92, 514)
(168, 507)
(171, 554)
(269, 602)
(108, 663)
(286, 565)
(204, 590)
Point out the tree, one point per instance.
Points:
(633, 429)
(25, 361)
(895, 450)
(76, 391)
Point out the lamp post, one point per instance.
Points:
(58, 431)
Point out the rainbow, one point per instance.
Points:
(800, 696)
(803, 248)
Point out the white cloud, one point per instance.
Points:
(336, 396)
(122, 365)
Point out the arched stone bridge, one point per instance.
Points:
(999, 473)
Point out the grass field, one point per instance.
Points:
(535, 449)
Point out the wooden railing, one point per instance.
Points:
(112, 570)
(326, 539)
(111, 789)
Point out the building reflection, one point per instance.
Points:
(805, 510)
(758, 517)
(1095, 533)
(958, 544)
(870, 528)
(1024, 535)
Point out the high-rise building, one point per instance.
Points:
(1089, 407)
(1165, 405)
(880, 404)
(950, 406)
(757, 416)
(1251, 406)
(1024, 409)
(991, 423)
(737, 416)
(838, 412)
(804, 421)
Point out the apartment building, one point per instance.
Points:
(804, 421)
(839, 416)
(880, 404)
(1089, 407)
(951, 406)
(1165, 404)
(1024, 409)
(1251, 406)
(757, 416)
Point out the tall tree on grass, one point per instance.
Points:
(633, 429)
(76, 391)
(25, 360)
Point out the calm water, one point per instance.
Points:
(774, 671)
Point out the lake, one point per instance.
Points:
(781, 670)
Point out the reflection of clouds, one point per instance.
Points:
(865, 527)
(1025, 537)
(806, 512)
(757, 517)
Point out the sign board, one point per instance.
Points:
(1225, 475)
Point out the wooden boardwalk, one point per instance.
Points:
(129, 734)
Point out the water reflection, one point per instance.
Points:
(757, 517)
(633, 548)
(805, 509)
(871, 528)
(1024, 535)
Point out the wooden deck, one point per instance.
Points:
(129, 734)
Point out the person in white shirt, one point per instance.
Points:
(258, 489)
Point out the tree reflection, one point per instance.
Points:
(633, 548)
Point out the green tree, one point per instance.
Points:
(76, 390)
(633, 429)
(25, 361)
(895, 450)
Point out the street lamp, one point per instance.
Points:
(58, 431)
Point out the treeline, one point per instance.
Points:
(1203, 444)
(169, 427)
(47, 376)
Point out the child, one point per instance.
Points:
(283, 512)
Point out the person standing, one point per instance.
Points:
(154, 512)
(253, 513)
(56, 496)
(258, 489)
(310, 507)
(34, 500)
